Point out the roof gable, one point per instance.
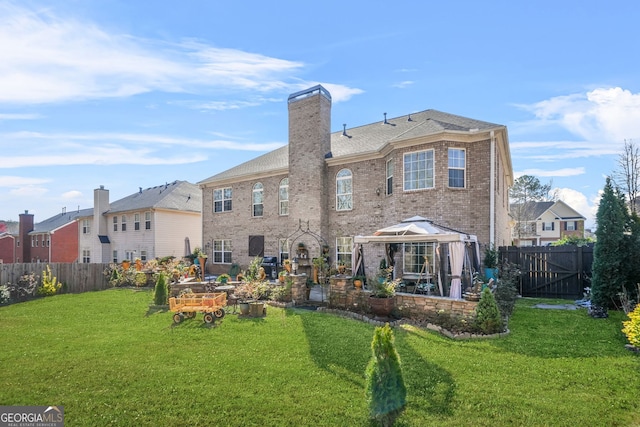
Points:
(60, 220)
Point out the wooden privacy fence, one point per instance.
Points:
(551, 271)
(77, 277)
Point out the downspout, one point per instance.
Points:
(492, 193)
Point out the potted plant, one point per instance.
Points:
(282, 275)
(223, 278)
(358, 281)
(383, 294)
(491, 262)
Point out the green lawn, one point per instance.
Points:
(110, 361)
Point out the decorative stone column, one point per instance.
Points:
(298, 288)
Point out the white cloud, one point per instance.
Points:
(50, 58)
(403, 84)
(18, 181)
(16, 116)
(28, 191)
(70, 195)
(113, 149)
(580, 203)
(551, 173)
(603, 115)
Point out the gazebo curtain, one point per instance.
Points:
(456, 254)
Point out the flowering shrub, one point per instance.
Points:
(50, 284)
(632, 327)
(5, 295)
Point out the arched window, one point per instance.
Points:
(344, 190)
(258, 197)
(283, 196)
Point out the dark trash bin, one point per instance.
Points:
(270, 265)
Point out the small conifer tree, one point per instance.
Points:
(160, 295)
(488, 318)
(385, 389)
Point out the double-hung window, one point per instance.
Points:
(115, 223)
(418, 170)
(222, 199)
(258, 199)
(390, 176)
(344, 247)
(283, 196)
(136, 221)
(147, 220)
(124, 223)
(457, 165)
(222, 251)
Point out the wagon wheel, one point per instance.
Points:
(209, 318)
(219, 313)
(191, 314)
(178, 318)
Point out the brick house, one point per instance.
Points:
(8, 235)
(150, 223)
(542, 223)
(324, 188)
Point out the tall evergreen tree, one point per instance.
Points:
(610, 263)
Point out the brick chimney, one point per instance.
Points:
(23, 251)
(309, 144)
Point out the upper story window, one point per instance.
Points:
(548, 226)
(283, 197)
(257, 199)
(124, 223)
(86, 226)
(418, 170)
(390, 176)
(457, 166)
(136, 221)
(222, 199)
(344, 190)
(147, 220)
(115, 223)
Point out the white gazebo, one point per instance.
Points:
(463, 248)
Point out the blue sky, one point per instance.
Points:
(130, 94)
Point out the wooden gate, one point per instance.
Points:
(551, 271)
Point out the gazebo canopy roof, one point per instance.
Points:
(416, 229)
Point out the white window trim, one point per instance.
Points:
(463, 169)
(404, 170)
(350, 195)
(283, 204)
(222, 199)
(389, 177)
(257, 188)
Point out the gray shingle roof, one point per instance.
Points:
(531, 210)
(57, 221)
(365, 139)
(177, 195)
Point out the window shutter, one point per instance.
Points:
(553, 225)
(256, 245)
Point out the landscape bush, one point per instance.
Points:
(160, 293)
(385, 389)
(50, 284)
(488, 318)
(632, 327)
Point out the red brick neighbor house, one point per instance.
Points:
(324, 187)
(542, 223)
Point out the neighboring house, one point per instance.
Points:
(56, 239)
(542, 223)
(151, 223)
(326, 188)
(156, 222)
(8, 235)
